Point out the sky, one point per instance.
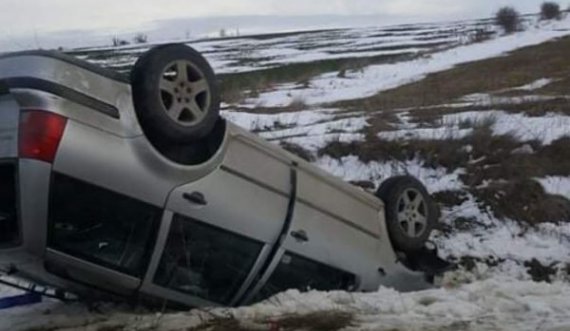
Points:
(35, 18)
(44, 15)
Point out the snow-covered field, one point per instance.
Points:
(494, 291)
(254, 53)
(372, 79)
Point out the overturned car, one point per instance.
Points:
(139, 189)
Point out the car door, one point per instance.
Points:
(332, 242)
(221, 229)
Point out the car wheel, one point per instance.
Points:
(175, 94)
(410, 212)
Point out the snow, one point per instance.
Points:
(251, 53)
(485, 99)
(267, 122)
(498, 298)
(556, 185)
(499, 303)
(350, 168)
(537, 84)
(549, 244)
(440, 133)
(6, 291)
(345, 125)
(311, 129)
(544, 129)
(488, 236)
(373, 79)
(316, 142)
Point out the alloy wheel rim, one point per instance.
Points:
(412, 213)
(184, 92)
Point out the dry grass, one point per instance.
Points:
(519, 68)
(262, 80)
(501, 164)
(512, 193)
(365, 185)
(297, 104)
(436, 153)
(559, 87)
(540, 272)
(450, 198)
(525, 201)
(320, 321)
(537, 108)
(297, 150)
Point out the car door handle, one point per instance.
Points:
(196, 198)
(300, 236)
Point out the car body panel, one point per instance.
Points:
(234, 203)
(251, 189)
(9, 121)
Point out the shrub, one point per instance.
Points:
(550, 10)
(508, 18)
(119, 42)
(140, 38)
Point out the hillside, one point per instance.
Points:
(482, 118)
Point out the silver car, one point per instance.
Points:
(137, 188)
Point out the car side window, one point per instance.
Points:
(205, 261)
(101, 226)
(8, 200)
(297, 272)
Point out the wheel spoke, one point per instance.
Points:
(412, 229)
(167, 86)
(176, 111)
(195, 109)
(421, 219)
(182, 70)
(402, 216)
(199, 86)
(415, 201)
(418, 203)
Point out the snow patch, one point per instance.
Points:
(265, 122)
(547, 243)
(556, 185)
(345, 125)
(350, 168)
(537, 84)
(545, 129)
(501, 303)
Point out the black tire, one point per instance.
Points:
(175, 94)
(402, 213)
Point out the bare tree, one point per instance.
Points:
(508, 18)
(550, 10)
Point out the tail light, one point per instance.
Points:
(40, 134)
